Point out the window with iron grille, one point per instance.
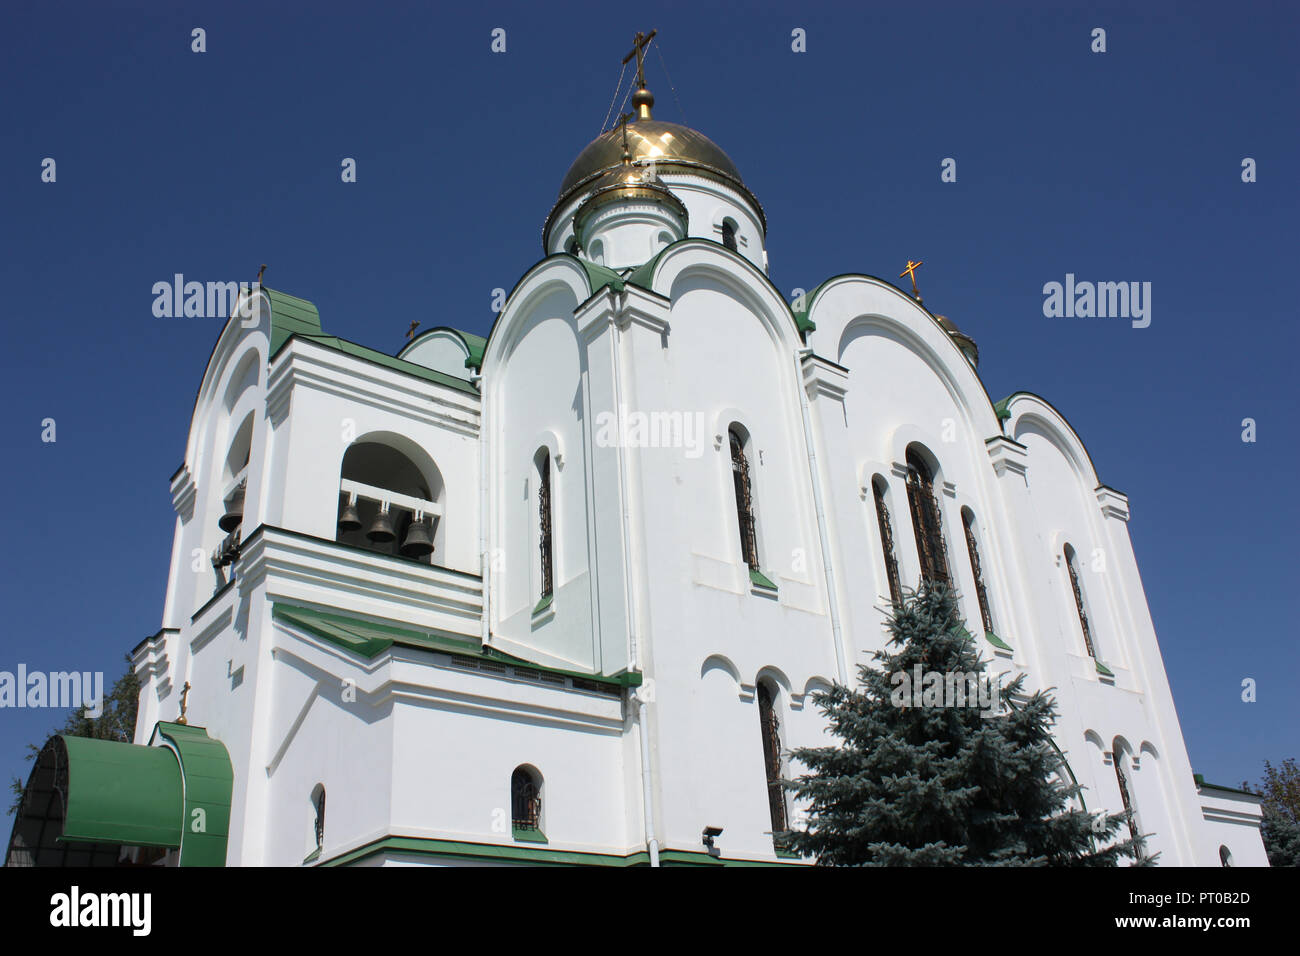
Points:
(926, 520)
(525, 800)
(744, 500)
(319, 803)
(1078, 602)
(771, 728)
(887, 542)
(544, 521)
(1123, 793)
(729, 234)
(968, 521)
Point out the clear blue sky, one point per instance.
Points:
(1116, 166)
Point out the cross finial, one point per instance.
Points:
(410, 333)
(911, 271)
(259, 273)
(185, 692)
(627, 151)
(643, 99)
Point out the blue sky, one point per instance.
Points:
(1122, 166)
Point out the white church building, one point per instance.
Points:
(563, 595)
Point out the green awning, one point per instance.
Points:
(86, 799)
(122, 793)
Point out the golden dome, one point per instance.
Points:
(627, 182)
(666, 145)
(964, 341)
(650, 141)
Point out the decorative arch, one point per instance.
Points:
(848, 305)
(720, 662)
(1032, 414)
(556, 273)
(692, 258)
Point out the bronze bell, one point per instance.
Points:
(234, 515)
(349, 519)
(381, 529)
(419, 539)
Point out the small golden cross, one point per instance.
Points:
(259, 273)
(185, 692)
(410, 333)
(911, 271)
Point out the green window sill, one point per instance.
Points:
(997, 641)
(1102, 669)
(528, 835)
(312, 857)
(759, 579)
(544, 603)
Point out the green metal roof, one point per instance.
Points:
(122, 793)
(369, 639)
(208, 779)
(291, 316)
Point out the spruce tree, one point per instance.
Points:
(936, 785)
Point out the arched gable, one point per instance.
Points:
(1030, 413)
(692, 259)
(560, 274)
(847, 307)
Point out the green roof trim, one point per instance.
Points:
(208, 779)
(290, 316)
(533, 855)
(1103, 670)
(476, 345)
(122, 794)
(599, 276)
(1202, 784)
(1001, 409)
(369, 639)
(997, 641)
(761, 580)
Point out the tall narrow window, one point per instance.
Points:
(544, 522)
(525, 800)
(1122, 777)
(887, 541)
(926, 521)
(729, 234)
(968, 521)
(770, 725)
(744, 500)
(1078, 602)
(318, 804)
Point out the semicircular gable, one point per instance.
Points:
(1032, 414)
(559, 273)
(691, 259)
(845, 307)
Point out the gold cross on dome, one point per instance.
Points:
(911, 271)
(638, 50)
(185, 692)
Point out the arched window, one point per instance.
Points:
(1121, 775)
(572, 247)
(926, 520)
(546, 562)
(1225, 856)
(968, 522)
(388, 504)
(744, 499)
(729, 234)
(318, 809)
(770, 726)
(887, 540)
(526, 799)
(1078, 601)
